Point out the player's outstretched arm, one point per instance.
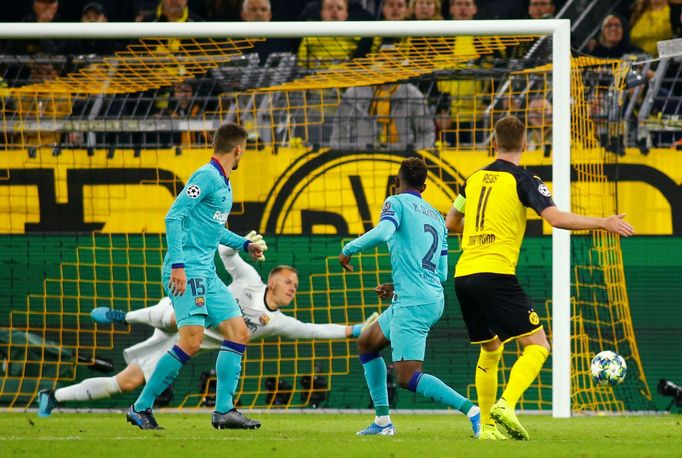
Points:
(566, 220)
(382, 232)
(236, 266)
(291, 328)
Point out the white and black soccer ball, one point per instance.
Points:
(608, 368)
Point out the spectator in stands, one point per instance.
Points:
(394, 10)
(43, 11)
(181, 106)
(425, 10)
(464, 95)
(173, 11)
(93, 12)
(323, 52)
(539, 122)
(312, 10)
(261, 11)
(391, 10)
(541, 9)
(256, 11)
(613, 41)
(651, 22)
(394, 116)
(463, 10)
(45, 107)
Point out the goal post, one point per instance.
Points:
(559, 30)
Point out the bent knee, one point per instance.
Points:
(191, 347)
(241, 336)
(129, 384)
(363, 345)
(404, 383)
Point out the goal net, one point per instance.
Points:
(94, 149)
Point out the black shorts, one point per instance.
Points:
(495, 305)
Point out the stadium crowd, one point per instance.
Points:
(632, 26)
(408, 114)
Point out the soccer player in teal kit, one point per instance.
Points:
(417, 242)
(195, 225)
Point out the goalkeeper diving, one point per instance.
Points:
(260, 305)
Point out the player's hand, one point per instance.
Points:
(255, 252)
(178, 282)
(257, 239)
(617, 225)
(385, 291)
(345, 262)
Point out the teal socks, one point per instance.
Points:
(228, 367)
(375, 375)
(166, 370)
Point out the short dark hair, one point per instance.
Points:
(509, 134)
(413, 171)
(281, 268)
(227, 137)
(94, 6)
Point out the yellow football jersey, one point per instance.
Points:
(494, 201)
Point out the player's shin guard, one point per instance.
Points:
(434, 388)
(166, 370)
(228, 367)
(486, 381)
(375, 376)
(89, 389)
(524, 371)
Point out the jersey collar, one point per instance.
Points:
(214, 162)
(265, 300)
(413, 192)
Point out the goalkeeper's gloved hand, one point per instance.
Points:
(253, 237)
(257, 239)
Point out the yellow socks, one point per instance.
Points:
(524, 371)
(486, 381)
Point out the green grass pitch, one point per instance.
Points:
(328, 435)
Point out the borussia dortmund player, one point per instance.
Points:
(195, 225)
(495, 308)
(417, 242)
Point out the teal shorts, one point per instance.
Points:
(206, 302)
(407, 327)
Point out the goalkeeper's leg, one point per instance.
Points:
(128, 379)
(159, 316)
(92, 389)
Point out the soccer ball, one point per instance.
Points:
(608, 368)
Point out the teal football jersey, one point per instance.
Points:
(195, 223)
(417, 242)
(418, 248)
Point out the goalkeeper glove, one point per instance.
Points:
(257, 239)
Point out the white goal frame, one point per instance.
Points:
(560, 31)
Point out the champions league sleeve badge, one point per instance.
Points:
(193, 191)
